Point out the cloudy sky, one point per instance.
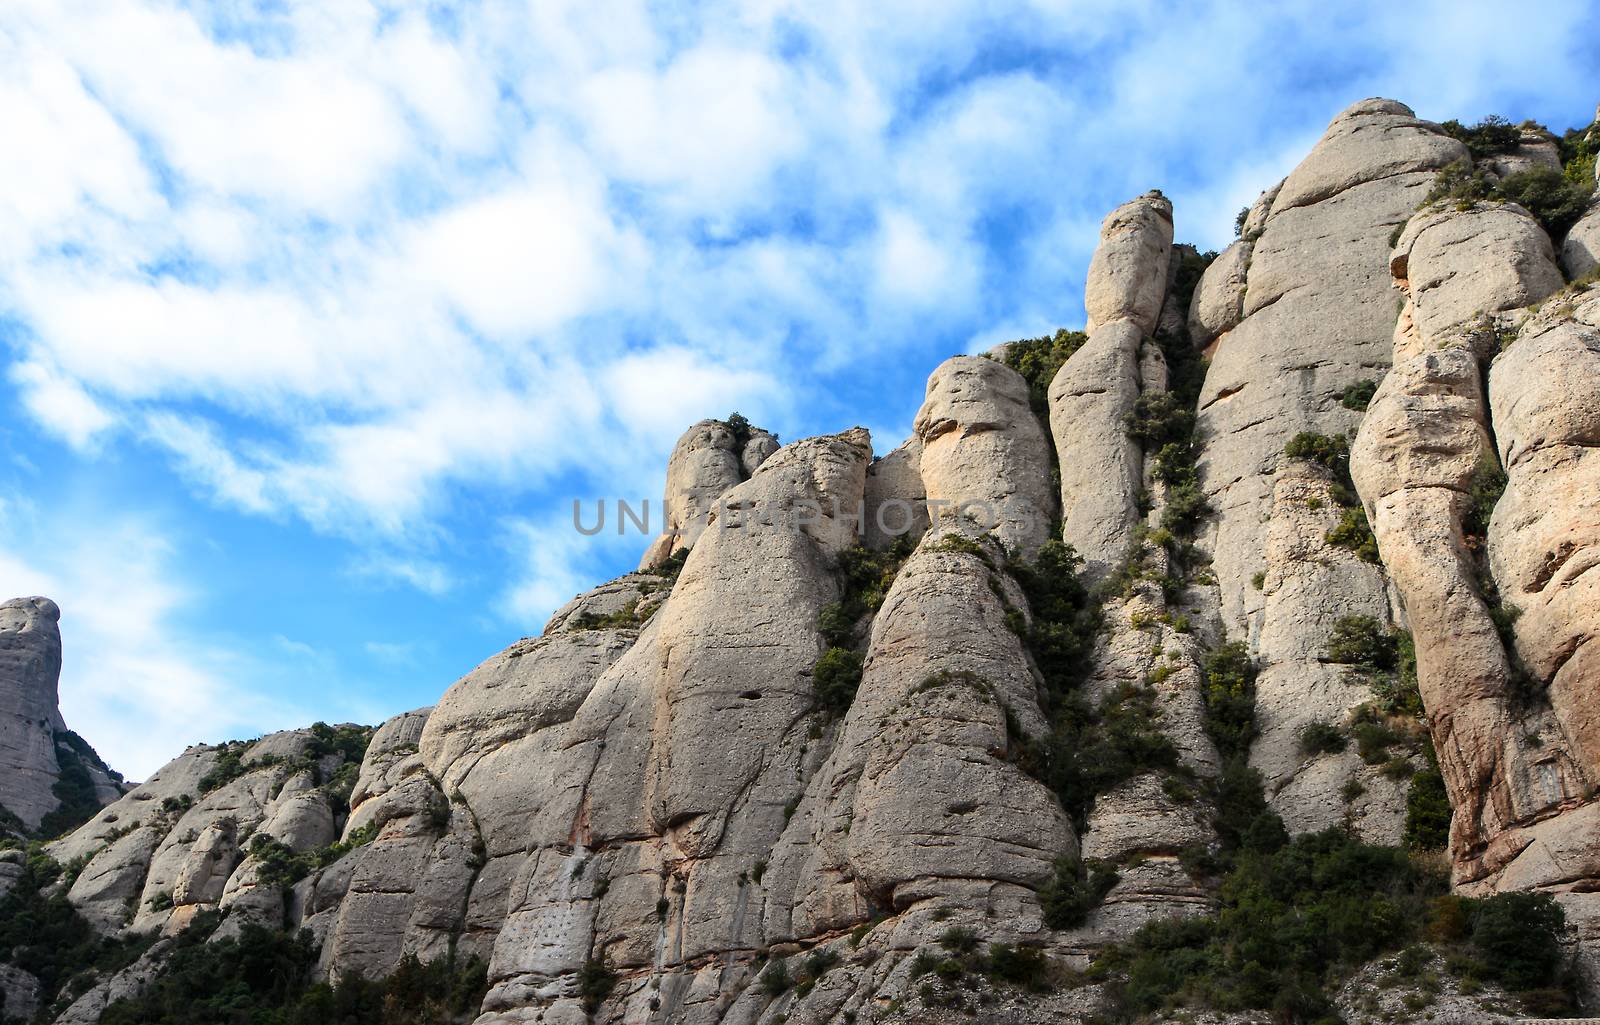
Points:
(316, 316)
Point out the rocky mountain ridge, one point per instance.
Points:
(1285, 604)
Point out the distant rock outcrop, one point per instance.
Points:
(50, 779)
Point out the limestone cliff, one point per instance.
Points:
(1155, 669)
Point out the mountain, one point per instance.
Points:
(1231, 660)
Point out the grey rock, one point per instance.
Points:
(984, 454)
(1128, 274)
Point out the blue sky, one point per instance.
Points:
(316, 317)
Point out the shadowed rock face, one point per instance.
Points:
(654, 786)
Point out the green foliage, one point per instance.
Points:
(1026, 967)
(1487, 485)
(740, 428)
(1358, 395)
(1518, 937)
(1158, 418)
(265, 977)
(229, 766)
(1386, 657)
(42, 934)
(1291, 912)
(624, 618)
(1038, 359)
(1427, 811)
(596, 980)
(280, 865)
(865, 578)
(1239, 220)
(835, 678)
(1320, 738)
(776, 980)
(1460, 184)
(1091, 750)
(1553, 198)
(1191, 268)
(672, 565)
(1065, 618)
(1556, 201)
(348, 741)
(1354, 533)
(1362, 641)
(1074, 889)
(1331, 452)
(1493, 136)
(1230, 696)
(74, 788)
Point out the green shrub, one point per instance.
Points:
(1074, 890)
(1331, 452)
(265, 977)
(1493, 136)
(1487, 485)
(77, 798)
(624, 618)
(596, 980)
(1461, 185)
(1159, 418)
(1320, 738)
(835, 678)
(1026, 967)
(1518, 939)
(1363, 641)
(229, 766)
(1230, 698)
(1291, 916)
(1239, 220)
(776, 980)
(1354, 533)
(1553, 199)
(1358, 395)
(1038, 359)
(42, 934)
(958, 939)
(1427, 811)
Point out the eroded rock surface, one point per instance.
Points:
(984, 457)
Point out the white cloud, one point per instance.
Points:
(60, 404)
(346, 261)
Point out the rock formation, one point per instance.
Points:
(40, 759)
(710, 457)
(868, 740)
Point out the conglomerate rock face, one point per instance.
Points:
(36, 748)
(825, 736)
